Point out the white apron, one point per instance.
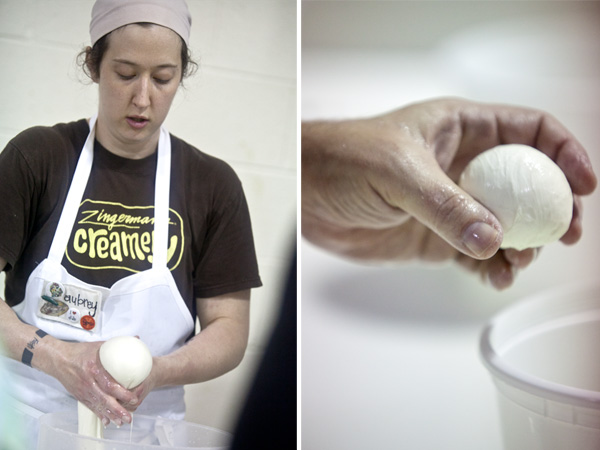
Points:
(147, 304)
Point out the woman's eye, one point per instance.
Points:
(125, 77)
(162, 80)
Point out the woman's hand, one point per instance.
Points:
(216, 350)
(143, 389)
(79, 370)
(384, 188)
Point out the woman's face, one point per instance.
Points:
(138, 79)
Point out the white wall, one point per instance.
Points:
(240, 106)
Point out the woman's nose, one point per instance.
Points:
(141, 95)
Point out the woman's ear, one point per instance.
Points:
(92, 65)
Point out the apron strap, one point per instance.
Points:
(74, 196)
(161, 201)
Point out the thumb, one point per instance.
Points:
(455, 216)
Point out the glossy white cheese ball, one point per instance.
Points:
(127, 359)
(525, 190)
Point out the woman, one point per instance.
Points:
(114, 227)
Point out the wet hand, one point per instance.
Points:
(385, 188)
(82, 374)
(141, 391)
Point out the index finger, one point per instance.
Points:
(544, 132)
(111, 387)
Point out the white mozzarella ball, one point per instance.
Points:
(525, 190)
(127, 359)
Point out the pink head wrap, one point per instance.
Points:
(108, 15)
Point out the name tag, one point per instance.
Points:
(72, 305)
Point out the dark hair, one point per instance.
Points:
(90, 59)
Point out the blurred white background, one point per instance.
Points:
(240, 106)
(390, 355)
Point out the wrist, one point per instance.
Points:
(160, 372)
(171, 370)
(27, 356)
(48, 357)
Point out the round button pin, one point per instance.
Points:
(87, 322)
(55, 290)
(74, 315)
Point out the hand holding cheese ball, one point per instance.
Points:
(129, 362)
(386, 188)
(77, 366)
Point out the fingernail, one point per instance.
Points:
(105, 422)
(479, 237)
(133, 402)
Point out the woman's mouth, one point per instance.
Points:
(137, 122)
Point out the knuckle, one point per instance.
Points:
(451, 209)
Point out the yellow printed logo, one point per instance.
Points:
(110, 235)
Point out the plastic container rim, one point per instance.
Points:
(525, 381)
(44, 418)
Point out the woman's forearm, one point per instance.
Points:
(216, 350)
(26, 343)
(213, 352)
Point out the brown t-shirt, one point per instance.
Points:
(211, 249)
